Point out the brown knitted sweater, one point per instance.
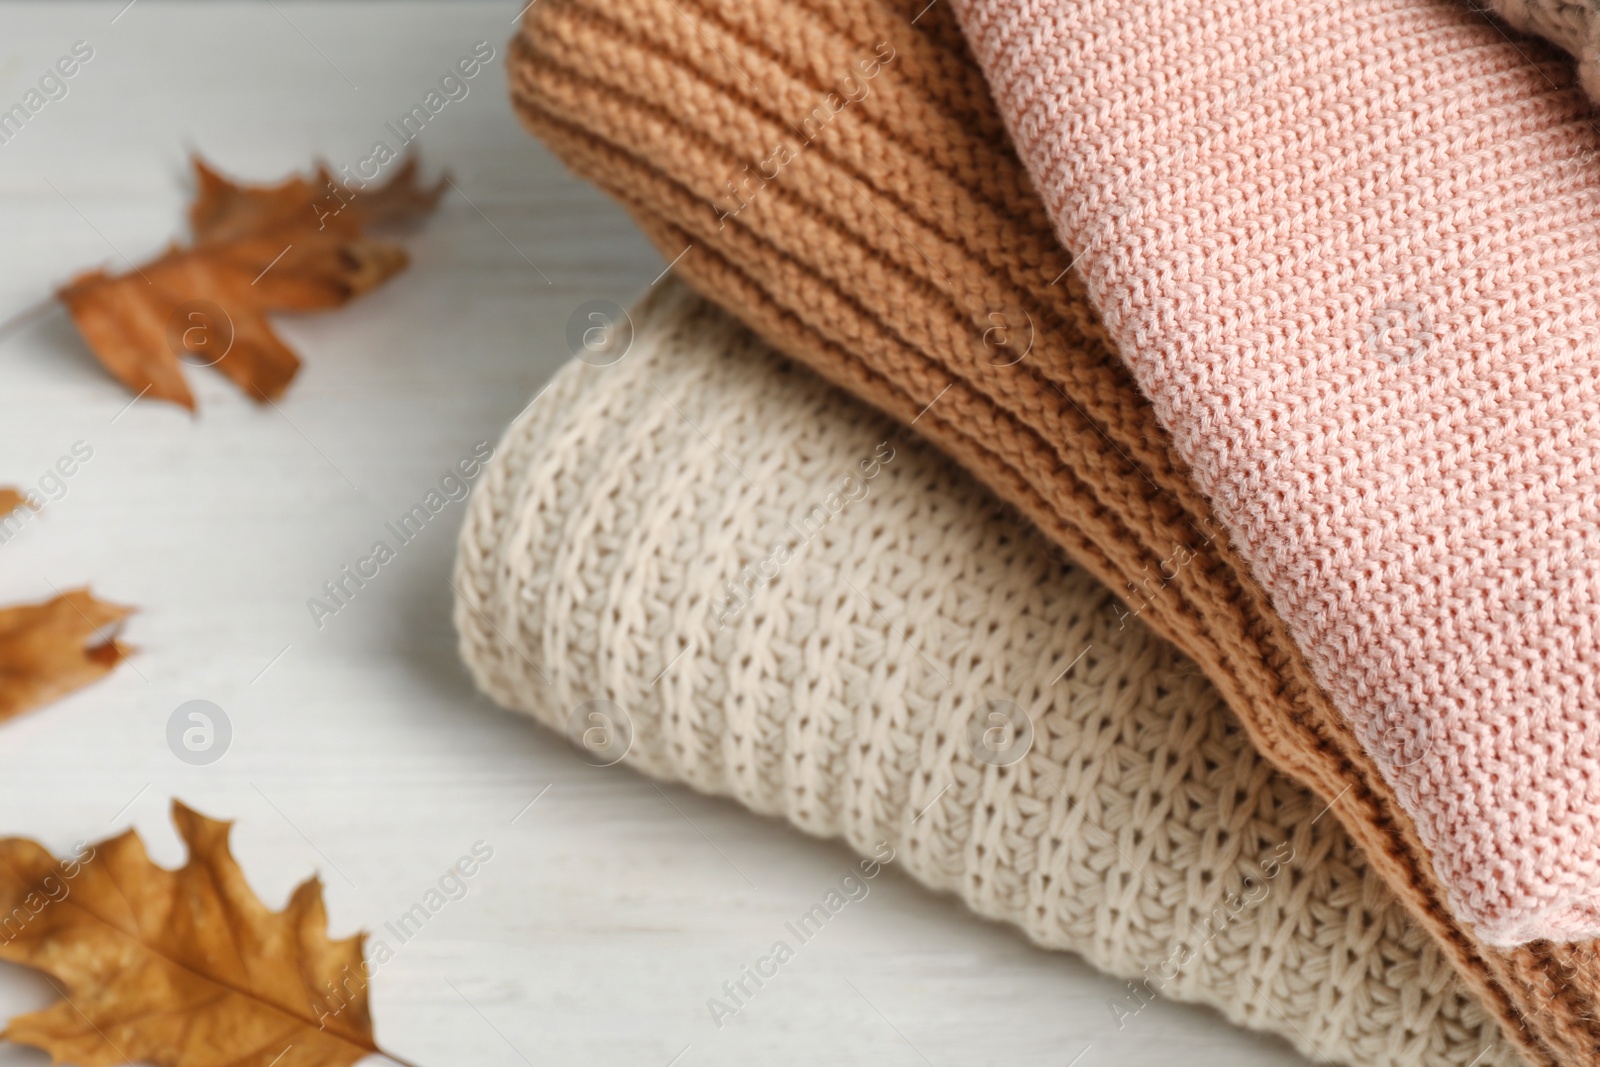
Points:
(834, 173)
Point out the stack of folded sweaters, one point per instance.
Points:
(1214, 591)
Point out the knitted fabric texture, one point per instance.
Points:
(881, 251)
(850, 686)
(1349, 253)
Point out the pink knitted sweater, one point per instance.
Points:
(1350, 251)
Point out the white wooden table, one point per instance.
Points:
(605, 919)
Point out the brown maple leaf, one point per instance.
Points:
(48, 650)
(183, 968)
(295, 246)
(10, 500)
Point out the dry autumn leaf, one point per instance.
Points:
(48, 650)
(183, 967)
(295, 246)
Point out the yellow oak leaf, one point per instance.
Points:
(257, 249)
(182, 968)
(48, 650)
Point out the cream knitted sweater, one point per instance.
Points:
(711, 566)
(1572, 24)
